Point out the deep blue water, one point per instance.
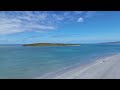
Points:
(18, 61)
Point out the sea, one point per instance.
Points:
(27, 62)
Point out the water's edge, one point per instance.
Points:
(71, 68)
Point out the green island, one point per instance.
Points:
(50, 44)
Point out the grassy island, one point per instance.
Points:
(51, 44)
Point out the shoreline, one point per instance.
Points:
(103, 68)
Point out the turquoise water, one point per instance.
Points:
(18, 61)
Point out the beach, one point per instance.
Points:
(104, 68)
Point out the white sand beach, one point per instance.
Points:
(105, 68)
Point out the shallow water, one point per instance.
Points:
(18, 61)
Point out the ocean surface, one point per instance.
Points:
(24, 62)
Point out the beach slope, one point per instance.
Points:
(105, 68)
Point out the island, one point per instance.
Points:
(114, 42)
(111, 43)
(50, 44)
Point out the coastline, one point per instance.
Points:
(103, 68)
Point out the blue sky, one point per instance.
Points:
(18, 27)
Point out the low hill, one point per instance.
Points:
(51, 44)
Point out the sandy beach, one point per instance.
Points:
(104, 68)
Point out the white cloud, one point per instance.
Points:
(15, 26)
(15, 22)
(86, 15)
(35, 21)
(80, 19)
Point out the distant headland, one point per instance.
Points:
(111, 43)
(50, 44)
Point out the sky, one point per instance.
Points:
(22, 27)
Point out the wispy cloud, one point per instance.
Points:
(78, 12)
(86, 15)
(15, 22)
(37, 21)
(90, 14)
